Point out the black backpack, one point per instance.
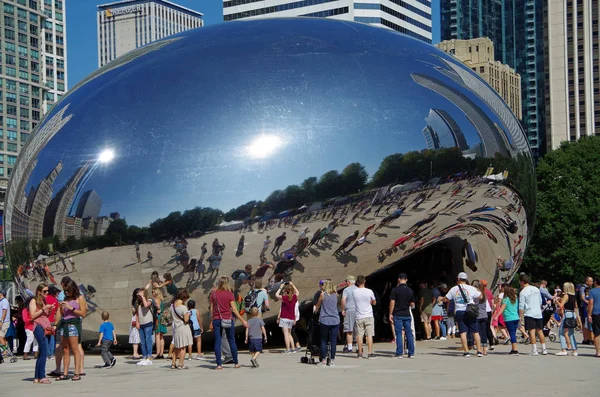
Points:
(236, 274)
(251, 299)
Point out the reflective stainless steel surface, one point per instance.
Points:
(305, 120)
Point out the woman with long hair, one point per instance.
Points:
(38, 311)
(182, 334)
(509, 309)
(482, 318)
(196, 326)
(222, 309)
(72, 309)
(329, 318)
(161, 330)
(134, 333)
(29, 328)
(567, 304)
(287, 315)
(145, 324)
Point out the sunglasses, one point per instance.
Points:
(44, 291)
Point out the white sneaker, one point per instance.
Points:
(575, 353)
(544, 352)
(443, 338)
(147, 363)
(535, 353)
(142, 362)
(562, 353)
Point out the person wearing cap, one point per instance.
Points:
(402, 299)
(463, 294)
(349, 312)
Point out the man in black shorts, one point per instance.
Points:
(593, 312)
(530, 307)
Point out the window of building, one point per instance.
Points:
(11, 135)
(11, 110)
(11, 160)
(23, 38)
(9, 47)
(24, 124)
(24, 137)
(11, 97)
(11, 72)
(11, 85)
(11, 123)
(9, 34)
(23, 75)
(58, 16)
(9, 9)
(33, 17)
(24, 112)
(21, 13)
(23, 26)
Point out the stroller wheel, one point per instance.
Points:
(304, 360)
(14, 360)
(552, 337)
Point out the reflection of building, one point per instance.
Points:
(88, 226)
(126, 25)
(465, 78)
(442, 131)
(39, 202)
(516, 30)
(33, 75)
(488, 134)
(412, 18)
(101, 226)
(54, 222)
(478, 54)
(72, 227)
(572, 70)
(89, 205)
(27, 162)
(115, 215)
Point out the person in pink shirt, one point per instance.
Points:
(491, 337)
(51, 299)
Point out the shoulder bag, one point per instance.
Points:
(44, 322)
(224, 323)
(179, 316)
(472, 311)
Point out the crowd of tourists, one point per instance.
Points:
(52, 321)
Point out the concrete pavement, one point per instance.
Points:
(438, 369)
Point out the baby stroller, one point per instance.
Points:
(313, 342)
(546, 315)
(4, 350)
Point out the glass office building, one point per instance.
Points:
(516, 29)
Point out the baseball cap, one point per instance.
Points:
(463, 276)
(442, 285)
(350, 278)
(403, 276)
(484, 282)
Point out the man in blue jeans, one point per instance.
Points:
(402, 299)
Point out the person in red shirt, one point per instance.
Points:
(51, 299)
(222, 310)
(287, 315)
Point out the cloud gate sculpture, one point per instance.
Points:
(371, 151)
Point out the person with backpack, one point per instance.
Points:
(242, 277)
(257, 297)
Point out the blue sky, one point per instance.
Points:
(82, 43)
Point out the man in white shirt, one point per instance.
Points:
(348, 311)
(364, 299)
(463, 294)
(530, 308)
(4, 318)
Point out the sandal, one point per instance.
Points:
(173, 366)
(237, 366)
(219, 368)
(82, 374)
(62, 377)
(54, 374)
(43, 381)
(183, 367)
(76, 377)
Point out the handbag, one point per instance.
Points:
(570, 322)
(224, 323)
(472, 311)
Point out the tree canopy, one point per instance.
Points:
(565, 245)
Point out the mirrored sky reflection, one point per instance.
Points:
(225, 115)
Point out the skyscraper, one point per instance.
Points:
(33, 72)
(411, 17)
(516, 29)
(572, 70)
(89, 205)
(126, 25)
(478, 54)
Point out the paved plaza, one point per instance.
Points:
(439, 369)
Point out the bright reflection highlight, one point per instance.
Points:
(106, 156)
(264, 146)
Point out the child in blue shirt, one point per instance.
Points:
(107, 337)
(256, 332)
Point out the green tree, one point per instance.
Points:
(565, 245)
(354, 178)
(329, 185)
